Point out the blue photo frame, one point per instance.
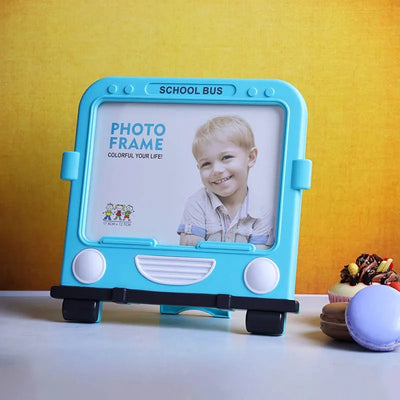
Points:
(131, 172)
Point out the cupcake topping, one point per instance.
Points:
(368, 269)
(353, 269)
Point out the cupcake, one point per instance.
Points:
(367, 270)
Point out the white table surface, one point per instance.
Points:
(136, 353)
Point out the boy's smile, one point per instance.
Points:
(224, 168)
(222, 180)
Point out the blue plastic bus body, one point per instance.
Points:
(118, 255)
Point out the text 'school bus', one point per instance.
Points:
(186, 193)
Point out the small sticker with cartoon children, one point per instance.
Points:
(118, 214)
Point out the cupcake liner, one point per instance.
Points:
(335, 298)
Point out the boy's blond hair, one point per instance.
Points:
(229, 127)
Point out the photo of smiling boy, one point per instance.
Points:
(225, 151)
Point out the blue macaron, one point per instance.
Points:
(373, 318)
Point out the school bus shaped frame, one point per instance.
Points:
(131, 172)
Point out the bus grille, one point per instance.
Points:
(174, 270)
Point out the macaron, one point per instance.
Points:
(373, 318)
(333, 321)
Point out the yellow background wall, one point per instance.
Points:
(343, 56)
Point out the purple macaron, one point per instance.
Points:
(373, 318)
